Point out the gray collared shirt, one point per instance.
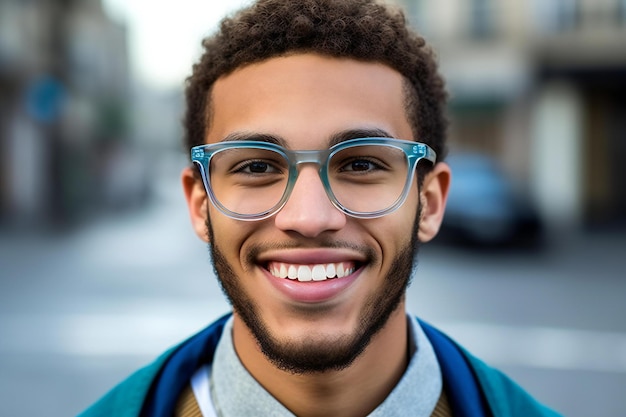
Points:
(234, 392)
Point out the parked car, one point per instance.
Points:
(485, 208)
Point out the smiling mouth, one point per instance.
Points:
(311, 272)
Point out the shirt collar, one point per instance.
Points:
(235, 392)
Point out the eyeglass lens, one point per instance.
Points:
(363, 179)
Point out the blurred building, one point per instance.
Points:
(540, 85)
(64, 90)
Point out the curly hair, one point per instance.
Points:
(359, 29)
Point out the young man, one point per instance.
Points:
(317, 131)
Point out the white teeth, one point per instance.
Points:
(292, 273)
(304, 273)
(318, 272)
(330, 271)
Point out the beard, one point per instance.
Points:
(311, 355)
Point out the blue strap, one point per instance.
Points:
(176, 373)
(462, 389)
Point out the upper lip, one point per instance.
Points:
(311, 256)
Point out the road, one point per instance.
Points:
(78, 312)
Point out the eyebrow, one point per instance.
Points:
(334, 139)
(255, 137)
(357, 134)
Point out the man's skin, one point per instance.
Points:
(305, 100)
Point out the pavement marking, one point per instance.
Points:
(149, 334)
(542, 347)
(100, 334)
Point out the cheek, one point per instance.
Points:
(239, 241)
(403, 221)
(410, 220)
(228, 235)
(396, 231)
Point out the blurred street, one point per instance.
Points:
(87, 103)
(81, 311)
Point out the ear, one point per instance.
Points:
(196, 201)
(433, 194)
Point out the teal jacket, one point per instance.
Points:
(473, 388)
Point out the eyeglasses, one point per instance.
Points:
(364, 178)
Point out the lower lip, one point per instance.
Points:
(312, 291)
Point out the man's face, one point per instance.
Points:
(305, 326)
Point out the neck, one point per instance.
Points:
(354, 391)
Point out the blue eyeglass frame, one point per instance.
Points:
(415, 151)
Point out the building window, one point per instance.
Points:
(621, 5)
(417, 14)
(482, 19)
(554, 16)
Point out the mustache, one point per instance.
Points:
(257, 248)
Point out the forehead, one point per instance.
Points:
(306, 98)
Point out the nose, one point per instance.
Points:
(309, 211)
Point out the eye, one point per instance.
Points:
(259, 167)
(359, 165)
(256, 167)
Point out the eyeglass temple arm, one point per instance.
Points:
(422, 150)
